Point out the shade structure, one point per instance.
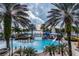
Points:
(53, 33)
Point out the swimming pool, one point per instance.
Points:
(38, 45)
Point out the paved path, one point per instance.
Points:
(11, 52)
(75, 51)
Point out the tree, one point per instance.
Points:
(50, 49)
(67, 13)
(30, 51)
(62, 48)
(12, 11)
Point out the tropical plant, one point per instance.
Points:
(24, 30)
(50, 49)
(46, 28)
(13, 11)
(62, 48)
(29, 51)
(17, 30)
(67, 13)
(54, 48)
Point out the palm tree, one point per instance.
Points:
(62, 48)
(50, 49)
(54, 48)
(67, 13)
(45, 26)
(12, 11)
(17, 30)
(29, 51)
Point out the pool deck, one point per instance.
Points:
(75, 51)
(10, 53)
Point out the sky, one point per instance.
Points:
(39, 12)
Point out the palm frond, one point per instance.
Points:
(22, 13)
(20, 6)
(75, 7)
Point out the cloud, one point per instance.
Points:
(35, 19)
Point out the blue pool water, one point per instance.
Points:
(39, 45)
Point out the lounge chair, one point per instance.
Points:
(3, 51)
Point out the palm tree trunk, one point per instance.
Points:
(59, 45)
(62, 51)
(7, 28)
(69, 43)
(53, 52)
(68, 27)
(50, 53)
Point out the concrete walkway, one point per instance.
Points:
(10, 53)
(75, 51)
